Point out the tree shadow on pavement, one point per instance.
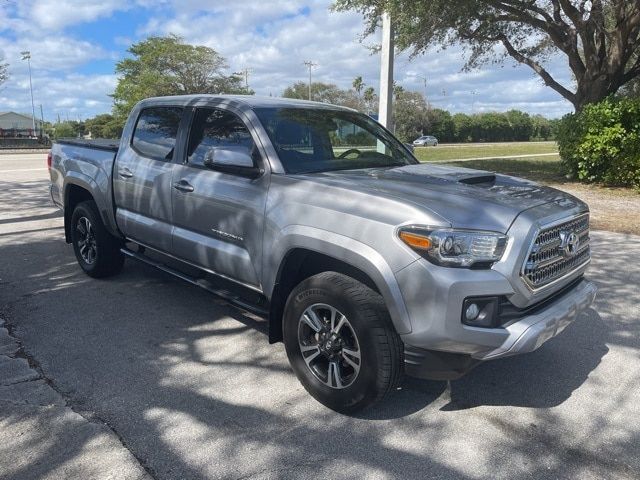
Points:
(195, 390)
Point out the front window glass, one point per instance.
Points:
(215, 128)
(315, 140)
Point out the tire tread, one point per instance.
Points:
(110, 258)
(373, 310)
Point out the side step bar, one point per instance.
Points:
(236, 300)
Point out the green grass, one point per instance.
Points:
(538, 169)
(478, 150)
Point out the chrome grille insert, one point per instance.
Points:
(557, 251)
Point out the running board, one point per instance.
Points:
(225, 294)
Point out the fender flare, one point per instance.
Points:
(87, 183)
(349, 251)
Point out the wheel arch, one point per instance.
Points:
(308, 258)
(73, 195)
(78, 189)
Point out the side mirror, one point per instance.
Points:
(229, 160)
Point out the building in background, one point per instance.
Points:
(18, 125)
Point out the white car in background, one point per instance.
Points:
(425, 141)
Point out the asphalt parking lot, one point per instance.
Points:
(176, 382)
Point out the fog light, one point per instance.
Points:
(472, 312)
(480, 312)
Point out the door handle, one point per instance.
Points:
(183, 186)
(125, 173)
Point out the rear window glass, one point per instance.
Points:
(156, 131)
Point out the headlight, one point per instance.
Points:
(455, 248)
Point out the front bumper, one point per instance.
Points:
(531, 332)
(434, 305)
(522, 336)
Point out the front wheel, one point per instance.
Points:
(97, 251)
(340, 342)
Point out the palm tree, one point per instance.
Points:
(369, 97)
(358, 85)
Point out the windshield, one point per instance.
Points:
(318, 140)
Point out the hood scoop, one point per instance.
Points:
(489, 178)
(440, 174)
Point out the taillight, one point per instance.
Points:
(49, 160)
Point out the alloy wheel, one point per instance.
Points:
(329, 345)
(86, 241)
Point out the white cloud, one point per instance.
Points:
(272, 38)
(54, 15)
(70, 95)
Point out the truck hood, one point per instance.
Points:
(465, 198)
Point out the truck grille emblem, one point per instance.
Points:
(569, 244)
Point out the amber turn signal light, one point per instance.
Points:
(416, 241)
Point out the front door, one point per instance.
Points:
(219, 217)
(142, 178)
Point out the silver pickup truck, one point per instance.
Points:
(367, 264)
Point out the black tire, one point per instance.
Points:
(107, 258)
(380, 347)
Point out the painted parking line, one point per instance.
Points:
(24, 170)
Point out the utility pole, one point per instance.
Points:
(245, 73)
(424, 81)
(26, 55)
(473, 101)
(310, 65)
(385, 110)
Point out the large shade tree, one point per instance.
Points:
(600, 39)
(168, 66)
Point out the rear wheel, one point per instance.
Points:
(97, 251)
(340, 342)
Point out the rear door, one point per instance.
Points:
(219, 217)
(142, 177)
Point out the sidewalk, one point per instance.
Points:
(42, 438)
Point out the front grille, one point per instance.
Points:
(552, 257)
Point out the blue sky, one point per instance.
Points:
(75, 45)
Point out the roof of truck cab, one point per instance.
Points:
(251, 101)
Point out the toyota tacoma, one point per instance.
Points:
(365, 263)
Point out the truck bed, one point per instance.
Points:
(85, 164)
(97, 143)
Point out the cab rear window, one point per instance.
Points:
(156, 131)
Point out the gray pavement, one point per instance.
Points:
(145, 371)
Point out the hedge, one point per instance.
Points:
(602, 142)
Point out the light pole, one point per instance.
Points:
(424, 82)
(385, 106)
(26, 55)
(310, 65)
(473, 101)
